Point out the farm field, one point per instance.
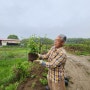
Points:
(9, 57)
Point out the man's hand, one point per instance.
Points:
(38, 61)
(38, 55)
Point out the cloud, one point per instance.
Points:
(26, 17)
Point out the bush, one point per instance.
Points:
(32, 45)
(12, 86)
(79, 49)
(44, 81)
(22, 70)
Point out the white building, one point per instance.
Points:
(5, 42)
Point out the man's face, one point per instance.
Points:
(58, 42)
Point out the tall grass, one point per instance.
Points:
(9, 57)
(79, 49)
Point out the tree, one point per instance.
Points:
(12, 37)
(24, 42)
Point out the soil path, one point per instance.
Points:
(78, 69)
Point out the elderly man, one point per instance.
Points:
(55, 64)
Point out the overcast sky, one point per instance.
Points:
(41, 17)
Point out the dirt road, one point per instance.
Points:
(77, 69)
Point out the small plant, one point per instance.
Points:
(12, 86)
(44, 75)
(32, 45)
(22, 70)
(43, 81)
(46, 69)
(33, 48)
(33, 84)
(33, 76)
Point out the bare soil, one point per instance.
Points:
(78, 69)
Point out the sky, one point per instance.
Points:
(45, 18)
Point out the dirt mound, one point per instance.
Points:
(33, 83)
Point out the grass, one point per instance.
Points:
(10, 87)
(43, 81)
(6, 67)
(8, 58)
(13, 52)
(78, 49)
(33, 84)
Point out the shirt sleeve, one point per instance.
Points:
(59, 60)
(45, 56)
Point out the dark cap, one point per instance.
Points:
(63, 37)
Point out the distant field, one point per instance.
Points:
(78, 46)
(78, 49)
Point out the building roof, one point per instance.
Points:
(11, 40)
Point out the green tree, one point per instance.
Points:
(24, 42)
(12, 37)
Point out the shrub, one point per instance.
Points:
(43, 81)
(44, 75)
(32, 45)
(22, 70)
(12, 86)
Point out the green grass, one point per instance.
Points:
(13, 52)
(78, 49)
(10, 56)
(6, 67)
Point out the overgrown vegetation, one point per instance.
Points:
(43, 81)
(22, 70)
(14, 67)
(9, 58)
(78, 46)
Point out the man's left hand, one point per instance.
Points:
(38, 61)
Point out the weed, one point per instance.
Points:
(33, 84)
(43, 81)
(44, 75)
